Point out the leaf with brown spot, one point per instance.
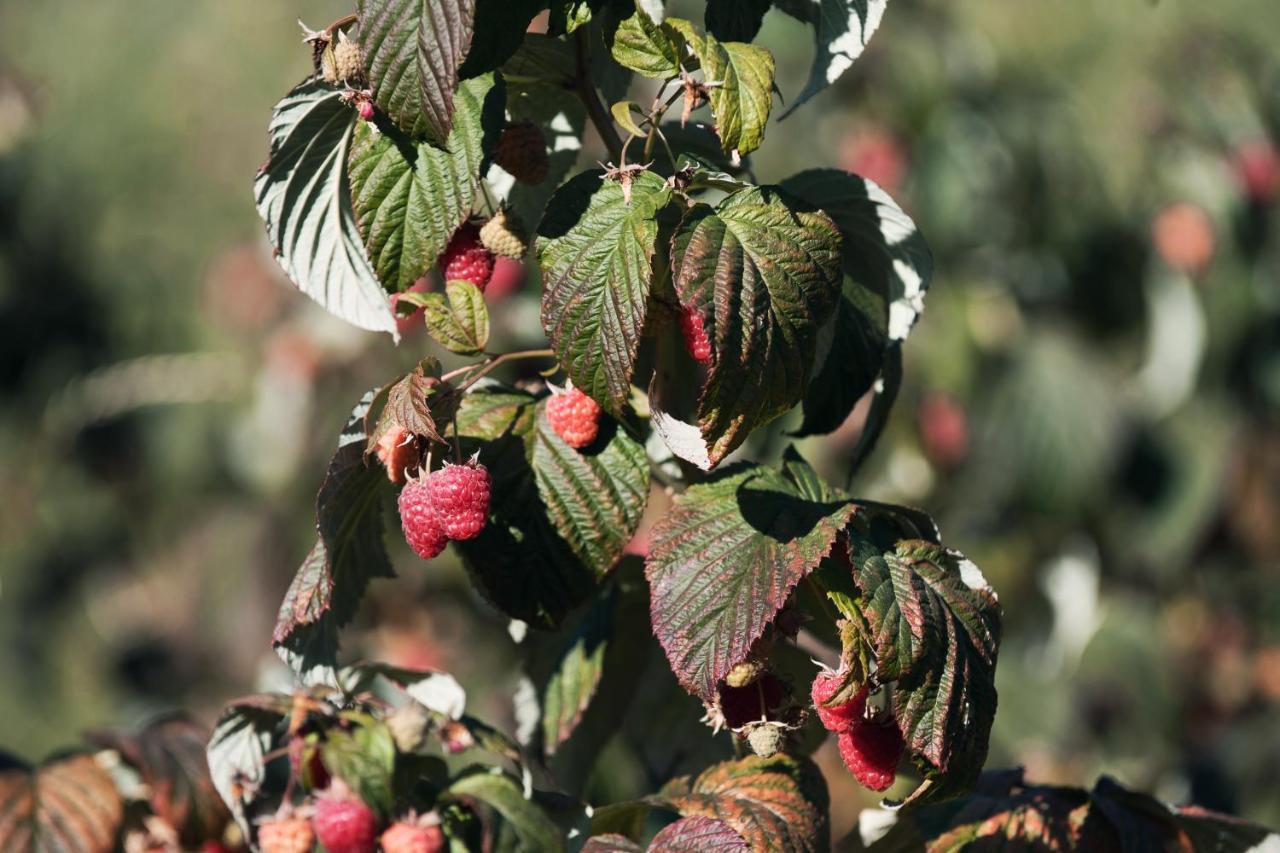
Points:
(69, 804)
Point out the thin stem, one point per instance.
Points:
(482, 370)
(591, 99)
(344, 21)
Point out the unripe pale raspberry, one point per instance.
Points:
(745, 673)
(766, 739)
(871, 750)
(522, 151)
(696, 342)
(286, 835)
(418, 519)
(344, 824)
(398, 452)
(466, 259)
(459, 497)
(412, 838)
(836, 718)
(504, 235)
(575, 417)
(348, 61)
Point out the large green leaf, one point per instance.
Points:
(763, 271)
(596, 496)
(743, 94)
(413, 50)
(304, 196)
(457, 319)
(363, 755)
(597, 249)
(348, 554)
(519, 561)
(933, 625)
(735, 20)
(533, 828)
(842, 29)
(647, 47)
(887, 267)
(723, 561)
(777, 803)
(409, 197)
(68, 804)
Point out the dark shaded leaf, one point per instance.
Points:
(735, 20)
(241, 740)
(577, 673)
(499, 31)
(534, 829)
(304, 196)
(723, 562)
(842, 29)
(69, 804)
(596, 250)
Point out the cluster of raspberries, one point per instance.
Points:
(870, 745)
(343, 823)
(451, 503)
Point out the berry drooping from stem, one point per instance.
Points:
(418, 519)
(575, 417)
(343, 823)
(522, 151)
(459, 498)
(398, 452)
(872, 749)
(466, 259)
(836, 718)
(504, 235)
(696, 342)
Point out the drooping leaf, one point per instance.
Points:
(699, 835)
(419, 402)
(242, 739)
(499, 31)
(577, 673)
(762, 270)
(595, 496)
(413, 50)
(363, 755)
(777, 803)
(67, 804)
(934, 628)
(169, 756)
(742, 96)
(597, 249)
(460, 322)
(303, 195)
(842, 29)
(408, 197)
(647, 46)
(349, 553)
(887, 268)
(723, 561)
(735, 20)
(533, 828)
(519, 562)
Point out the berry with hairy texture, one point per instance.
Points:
(766, 739)
(365, 109)
(872, 750)
(459, 497)
(522, 151)
(745, 673)
(575, 417)
(418, 519)
(286, 835)
(504, 235)
(838, 718)
(466, 259)
(696, 342)
(344, 824)
(412, 838)
(348, 61)
(398, 452)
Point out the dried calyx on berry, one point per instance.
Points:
(505, 235)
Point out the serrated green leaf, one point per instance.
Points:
(409, 198)
(419, 402)
(349, 553)
(763, 271)
(413, 50)
(736, 20)
(934, 627)
(777, 803)
(742, 95)
(723, 561)
(622, 115)
(842, 29)
(303, 195)
(519, 561)
(595, 496)
(533, 828)
(647, 47)
(364, 757)
(459, 323)
(68, 803)
(597, 251)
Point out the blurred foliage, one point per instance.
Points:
(1091, 410)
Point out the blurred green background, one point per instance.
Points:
(1092, 407)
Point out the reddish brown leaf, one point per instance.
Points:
(66, 805)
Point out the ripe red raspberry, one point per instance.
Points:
(871, 750)
(696, 342)
(412, 838)
(522, 151)
(459, 498)
(365, 109)
(286, 835)
(837, 718)
(344, 824)
(574, 417)
(466, 259)
(398, 452)
(421, 527)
